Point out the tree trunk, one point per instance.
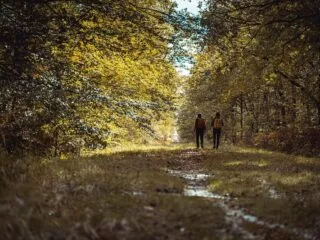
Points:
(318, 114)
(241, 116)
(294, 103)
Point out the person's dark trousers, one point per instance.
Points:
(199, 136)
(216, 137)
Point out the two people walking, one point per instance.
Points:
(200, 127)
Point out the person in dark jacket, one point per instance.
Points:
(216, 124)
(199, 128)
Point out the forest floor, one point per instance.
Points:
(173, 192)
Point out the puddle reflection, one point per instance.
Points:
(198, 191)
(195, 187)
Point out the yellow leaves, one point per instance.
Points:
(294, 54)
(89, 24)
(75, 58)
(271, 78)
(123, 74)
(214, 185)
(46, 128)
(53, 26)
(55, 50)
(134, 40)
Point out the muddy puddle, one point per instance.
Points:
(196, 187)
(271, 191)
(198, 191)
(235, 217)
(195, 184)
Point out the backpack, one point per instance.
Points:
(200, 123)
(217, 123)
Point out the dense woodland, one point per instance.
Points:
(259, 66)
(90, 98)
(87, 74)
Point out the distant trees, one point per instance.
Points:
(260, 67)
(82, 73)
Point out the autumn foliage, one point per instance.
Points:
(81, 74)
(290, 140)
(259, 68)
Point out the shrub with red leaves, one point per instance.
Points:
(290, 140)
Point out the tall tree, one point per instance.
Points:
(258, 65)
(73, 72)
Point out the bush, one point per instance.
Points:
(290, 140)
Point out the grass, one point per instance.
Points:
(277, 187)
(112, 195)
(126, 194)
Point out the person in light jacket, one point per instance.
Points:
(216, 124)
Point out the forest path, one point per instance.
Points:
(172, 192)
(200, 181)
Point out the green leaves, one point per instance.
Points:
(75, 72)
(257, 66)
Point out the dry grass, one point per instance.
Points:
(277, 187)
(125, 194)
(115, 195)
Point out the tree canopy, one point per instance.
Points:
(84, 73)
(87, 73)
(259, 67)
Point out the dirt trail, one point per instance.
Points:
(164, 193)
(196, 180)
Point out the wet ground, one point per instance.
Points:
(196, 185)
(235, 216)
(169, 193)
